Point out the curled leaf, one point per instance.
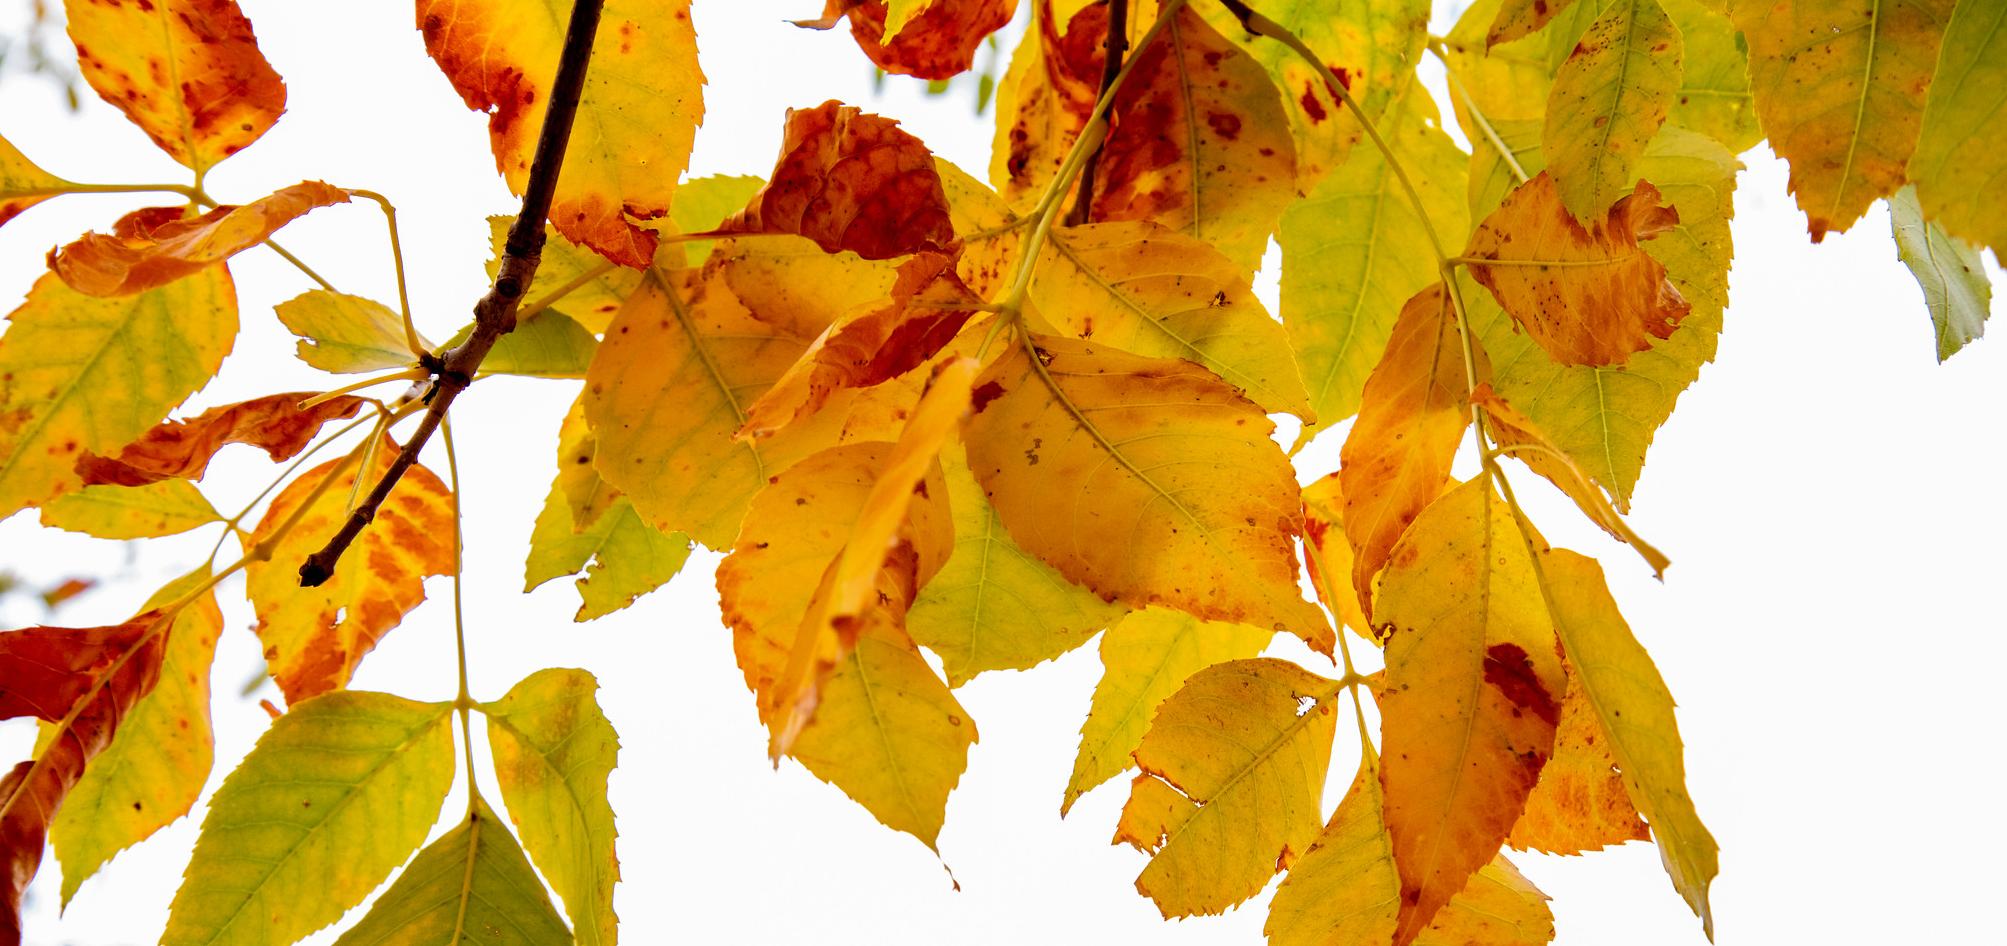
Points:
(937, 42)
(154, 247)
(181, 449)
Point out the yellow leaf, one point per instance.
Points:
(701, 204)
(1328, 553)
(984, 224)
(791, 284)
(1370, 45)
(315, 637)
(1499, 907)
(160, 756)
(153, 247)
(1411, 418)
(169, 507)
(1518, 18)
(1046, 95)
(1960, 164)
(1156, 292)
(347, 334)
(1588, 295)
(282, 853)
(187, 72)
(1713, 96)
(1148, 480)
(1580, 803)
(1632, 704)
(994, 606)
(669, 387)
(86, 374)
(588, 526)
(1198, 142)
(1146, 657)
(1837, 87)
(576, 280)
(553, 750)
(1354, 251)
(1605, 417)
(1609, 98)
(22, 184)
(637, 115)
(1232, 784)
(1472, 695)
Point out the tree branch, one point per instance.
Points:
(1113, 50)
(495, 313)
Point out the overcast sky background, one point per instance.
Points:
(1830, 496)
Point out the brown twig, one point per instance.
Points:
(495, 314)
(1113, 50)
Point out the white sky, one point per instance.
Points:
(1831, 498)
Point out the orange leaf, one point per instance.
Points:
(1412, 415)
(929, 305)
(1588, 295)
(1045, 98)
(187, 72)
(1580, 803)
(939, 43)
(154, 247)
(851, 181)
(315, 637)
(84, 680)
(182, 449)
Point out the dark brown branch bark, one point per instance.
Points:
(495, 313)
(1114, 48)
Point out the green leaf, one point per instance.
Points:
(1354, 251)
(1145, 658)
(703, 203)
(85, 373)
(159, 759)
(331, 800)
(1636, 711)
(168, 507)
(1609, 98)
(572, 279)
(472, 886)
(547, 344)
(994, 606)
(346, 334)
(623, 557)
(1960, 164)
(1954, 282)
(553, 750)
(1713, 96)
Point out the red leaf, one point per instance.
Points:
(181, 449)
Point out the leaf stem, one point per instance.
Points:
(407, 374)
(411, 338)
(495, 313)
(1437, 47)
(461, 701)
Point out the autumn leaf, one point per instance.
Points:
(473, 882)
(936, 39)
(85, 681)
(547, 344)
(794, 286)
(155, 765)
(574, 279)
(22, 184)
(1198, 142)
(1631, 702)
(79, 373)
(1148, 480)
(1232, 784)
(1354, 251)
(1580, 803)
(1472, 696)
(1955, 286)
(1960, 163)
(169, 507)
(994, 606)
(1412, 416)
(187, 72)
(1046, 96)
(586, 525)
(553, 750)
(1518, 18)
(1145, 657)
(850, 180)
(1836, 89)
(346, 334)
(991, 240)
(143, 253)
(636, 119)
(315, 637)
(274, 423)
(1157, 292)
(1327, 553)
(282, 855)
(1609, 98)
(1713, 96)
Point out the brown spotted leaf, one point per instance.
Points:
(315, 637)
(187, 72)
(1045, 97)
(153, 247)
(1580, 803)
(850, 180)
(1589, 295)
(181, 449)
(937, 43)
